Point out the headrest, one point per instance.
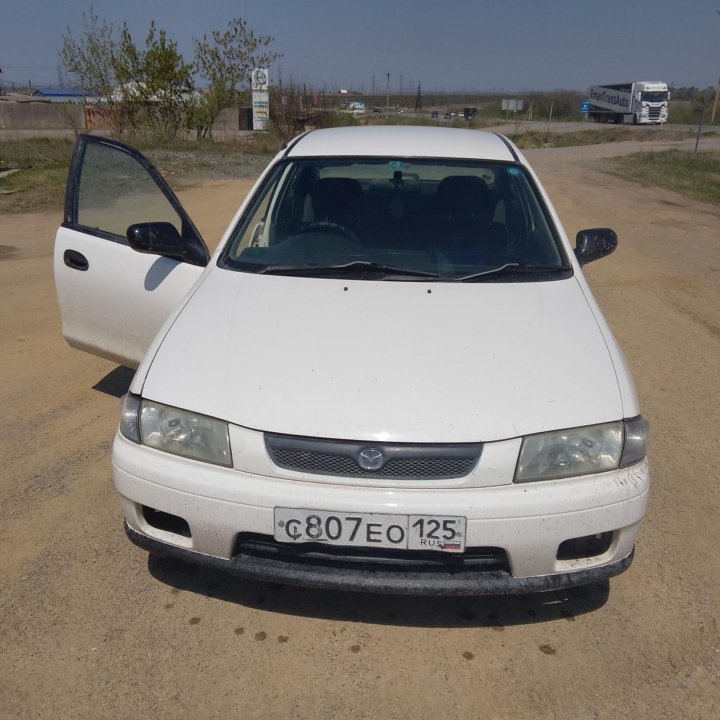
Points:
(336, 196)
(465, 193)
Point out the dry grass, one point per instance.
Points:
(596, 136)
(693, 174)
(42, 166)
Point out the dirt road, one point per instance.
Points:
(89, 628)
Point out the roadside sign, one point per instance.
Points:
(585, 106)
(512, 104)
(260, 78)
(260, 109)
(260, 98)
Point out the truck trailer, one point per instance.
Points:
(641, 102)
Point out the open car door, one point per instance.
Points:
(113, 298)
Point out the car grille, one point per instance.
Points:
(252, 545)
(382, 461)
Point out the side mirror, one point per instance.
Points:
(594, 244)
(161, 238)
(157, 238)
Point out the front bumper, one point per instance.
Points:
(525, 523)
(378, 580)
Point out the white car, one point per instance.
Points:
(391, 375)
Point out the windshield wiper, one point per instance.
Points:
(360, 266)
(513, 268)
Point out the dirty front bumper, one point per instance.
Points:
(528, 537)
(377, 580)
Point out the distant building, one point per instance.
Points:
(65, 95)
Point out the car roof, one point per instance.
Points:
(402, 141)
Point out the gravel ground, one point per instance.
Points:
(187, 167)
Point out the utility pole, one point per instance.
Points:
(717, 94)
(702, 117)
(418, 100)
(387, 97)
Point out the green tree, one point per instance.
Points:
(155, 85)
(225, 63)
(149, 89)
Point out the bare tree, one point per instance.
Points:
(90, 58)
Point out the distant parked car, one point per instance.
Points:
(391, 375)
(434, 114)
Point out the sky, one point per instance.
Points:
(446, 45)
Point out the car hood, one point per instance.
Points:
(391, 361)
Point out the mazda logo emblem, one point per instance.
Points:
(370, 459)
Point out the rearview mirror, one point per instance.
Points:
(594, 243)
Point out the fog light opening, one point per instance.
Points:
(165, 521)
(585, 547)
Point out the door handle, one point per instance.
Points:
(75, 260)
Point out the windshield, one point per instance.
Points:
(654, 96)
(397, 219)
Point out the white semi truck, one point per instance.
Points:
(639, 102)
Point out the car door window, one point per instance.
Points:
(115, 191)
(114, 299)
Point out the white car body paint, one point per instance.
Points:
(388, 361)
(528, 521)
(369, 361)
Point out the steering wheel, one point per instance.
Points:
(325, 226)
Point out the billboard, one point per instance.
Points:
(512, 104)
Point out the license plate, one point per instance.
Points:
(411, 532)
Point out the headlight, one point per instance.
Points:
(564, 453)
(176, 431)
(581, 451)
